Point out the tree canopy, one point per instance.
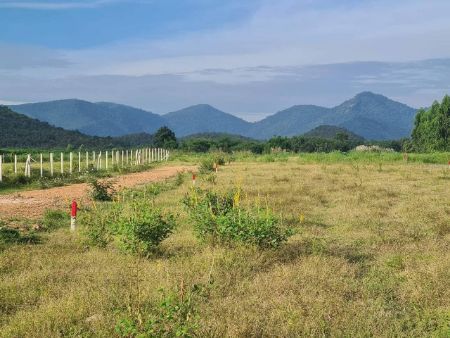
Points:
(432, 127)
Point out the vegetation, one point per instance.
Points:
(432, 128)
(221, 218)
(102, 190)
(369, 258)
(165, 138)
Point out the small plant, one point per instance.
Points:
(174, 316)
(144, 229)
(54, 219)
(179, 179)
(10, 236)
(102, 190)
(221, 218)
(136, 227)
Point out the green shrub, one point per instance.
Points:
(136, 227)
(54, 219)
(102, 190)
(206, 165)
(174, 316)
(219, 218)
(143, 230)
(10, 236)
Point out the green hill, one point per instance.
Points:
(20, 131)
(332, 132)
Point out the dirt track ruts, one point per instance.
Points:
(32, 204)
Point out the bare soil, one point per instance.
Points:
(32, 204)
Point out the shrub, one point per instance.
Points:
(220, 218)
(174, 316)
(143, 230)
(102, 190)
(134, 228)
(206, 165)
(54, 219)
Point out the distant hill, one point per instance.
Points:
(204, 118)
(373, 116)
(370, 115)
(289, 122)
(100, 119)
(330, 132)
(217, 136)
(21, 131)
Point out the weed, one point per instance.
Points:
(102, 190)
(54, 219)
(221, 218)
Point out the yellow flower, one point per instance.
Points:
(301, 218)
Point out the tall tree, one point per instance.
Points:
(432, 127)
(165, 138)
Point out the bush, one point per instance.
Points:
(102, 190)
(54, 219)
(219, 218)
(134, 228)
(174, 316)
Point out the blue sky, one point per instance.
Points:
(250, 57)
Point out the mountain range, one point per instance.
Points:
(20, 131)
(369, 115)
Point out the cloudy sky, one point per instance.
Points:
(248, 57)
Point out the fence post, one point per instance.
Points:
(70, 162)
(1, 167)
(122, 158)
(79, 161)
(93, 158)
(28, 166)
(15, 164)
(106, 159)
(51, 164)
(42, 169)
(87, 160)
(62, 163)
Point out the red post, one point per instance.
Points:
(73, 215)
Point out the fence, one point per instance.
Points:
(66, 163)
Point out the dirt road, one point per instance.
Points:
(32, 204)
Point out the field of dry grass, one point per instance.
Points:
(370, 257)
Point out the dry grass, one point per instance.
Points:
(371, 258)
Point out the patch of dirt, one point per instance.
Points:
(32, 204)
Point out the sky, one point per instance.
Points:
(247, 57)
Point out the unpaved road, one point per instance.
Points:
(32, 204)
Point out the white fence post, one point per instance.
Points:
(28, 166)
(79, 161)
(106, 163)
(42, 168)
(62, 163)
(70, 162)
(15, 164)
(87, 160)
(1, 168)
(51, 164)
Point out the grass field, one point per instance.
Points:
(370, 257)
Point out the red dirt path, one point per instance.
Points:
(32, 204)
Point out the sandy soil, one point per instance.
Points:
(32, 204)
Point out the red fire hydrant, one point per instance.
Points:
(73, 215)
